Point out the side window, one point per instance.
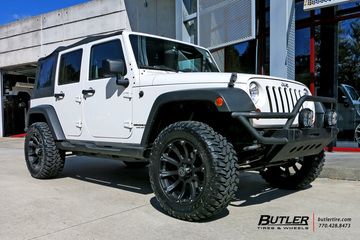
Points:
(45, 73)
(70, 65)
(99, 53)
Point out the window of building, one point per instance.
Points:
(100, 53)
(190, 6)
(45, 73)
(70, 66)
(241, 57)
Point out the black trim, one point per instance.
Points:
(88, 40)
(51, 117)
(235, 100)
(112, 150)
(244, 116)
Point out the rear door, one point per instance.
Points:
(68, 88)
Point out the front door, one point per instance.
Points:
(107, 106)
(68, 93)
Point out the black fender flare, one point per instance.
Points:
(235, 100)
(49, 113)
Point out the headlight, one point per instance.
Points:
(330, 118)
(306, 118)
(254, 92)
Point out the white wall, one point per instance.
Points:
(1, 106)
(27, 40)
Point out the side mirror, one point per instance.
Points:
(345, 101)
(114, 67)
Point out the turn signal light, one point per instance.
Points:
(219, 101)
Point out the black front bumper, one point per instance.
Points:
(291, 142)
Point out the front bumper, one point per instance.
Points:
(292, 142)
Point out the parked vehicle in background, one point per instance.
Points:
(349, 112)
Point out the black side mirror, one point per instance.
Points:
(345, 101)
(114, 67)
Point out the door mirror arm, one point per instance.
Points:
(121, 81)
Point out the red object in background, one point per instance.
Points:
(22, 135)
(342, 149)
(312, 58)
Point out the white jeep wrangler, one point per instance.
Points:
(147, 99)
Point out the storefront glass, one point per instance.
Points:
(311, 27)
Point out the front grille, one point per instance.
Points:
(282, 99)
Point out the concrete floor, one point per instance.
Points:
(100, 199)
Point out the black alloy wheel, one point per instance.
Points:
(182, 171)
(35, 152)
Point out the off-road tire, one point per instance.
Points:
(50, 161)
(220, 170)
(311, 168)
(135, 165)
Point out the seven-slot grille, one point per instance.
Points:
(282, 99)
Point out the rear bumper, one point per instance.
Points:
(291, 142)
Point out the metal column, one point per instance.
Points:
(282, 38)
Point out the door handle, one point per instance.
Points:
(60, 95)
(88, 91)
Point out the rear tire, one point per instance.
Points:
(297, 174)
(43, 159)
(193, 171)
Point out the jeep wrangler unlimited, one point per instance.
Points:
(147, 99)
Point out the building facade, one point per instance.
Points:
(318, 46)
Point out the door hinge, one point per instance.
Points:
(79, 124)
(78, 99)
(127, 95)
(128, 124)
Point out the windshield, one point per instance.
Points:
(159, 54)
(352, 92)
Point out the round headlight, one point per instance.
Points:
(306, 118)
(330, 118)
(254, 92)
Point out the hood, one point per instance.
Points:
(153, 77)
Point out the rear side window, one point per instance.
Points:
(111, 50)
(70, 66)
(45, 74)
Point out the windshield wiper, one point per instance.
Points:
(164, 68)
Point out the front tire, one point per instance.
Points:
(193, 171)
(296, 174)
(43, 159)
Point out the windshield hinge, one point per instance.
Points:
(233, 79)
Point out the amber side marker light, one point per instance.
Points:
(219, 101)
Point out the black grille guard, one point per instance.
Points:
(244, 117)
